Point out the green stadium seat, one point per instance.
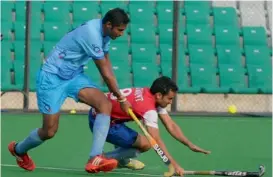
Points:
(19, 30)
(57, 11)
(166, 33)
(6, 29)
(93, 73)
(201, 54)
(6, 49)
(85, 10)
(197, 12)
(35, 65)
(225, 16)
(233, 79)
(182, 77)
(141, 33)
(36, 11)
(165, 13)
(6, 84)
(105, 6)
(20, 11)
(19, 50)
(199, 34)
(19, 74)
(203, 79)
(36, 48)
(119, 52)
(36, 29)
(122, 73)
(140, 73)
(166, 4)
(143, 53)
(254, 36)
(141, 12)
(229, 54)
(260, 78)
(6, 11)
(257, 55)
(227, 35)
(166, 55)
(54, 31)
(47, 47)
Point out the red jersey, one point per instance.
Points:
(141, 100)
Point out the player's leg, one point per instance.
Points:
(123, 138)
(84, 90)
(49, 87)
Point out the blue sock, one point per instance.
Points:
(123, 154)
(100, 132)
(32, 141)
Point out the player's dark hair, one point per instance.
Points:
(163, 85)
(116, 17)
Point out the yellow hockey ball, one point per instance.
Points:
(232, 109)
(73, 111)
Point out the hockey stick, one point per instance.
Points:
(154, 144)
(228, 173)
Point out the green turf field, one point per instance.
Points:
(236, 144)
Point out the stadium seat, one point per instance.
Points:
(54, 31)
(225, 16)
(6, 11)
(164, 12)
(182, 77)
(140, 73)
(199, 34)
(122, 73)
(36, 48)
(197, 12)
(6, 49)
(47, 47)
(36, 11)
(6, 83)
(141, 12)
(84, 10)
(19, 50)
(36, 29)
(105, 6)
(201, 54)
(227, 35)
(203, 79)
(20, 11)
(19, 31)
(166, 55)
(260, 78)
(57, 11)
(119, 52)
(257, 55)
(229, 54)
(233, 79)
(254, 36)
(6, 29)
(92, 72)
(166, 33)
(19, 74)
(142, 33)
(143, 53)
(35, 65)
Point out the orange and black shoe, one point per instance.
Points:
(100, 163)
(24, 161)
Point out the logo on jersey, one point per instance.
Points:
(62, 54)
(96, 48)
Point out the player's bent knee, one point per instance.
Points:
(145, 147)
(49, 133)
(104, 107)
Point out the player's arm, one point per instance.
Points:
(150, 121)
(178, 134)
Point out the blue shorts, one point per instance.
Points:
(53, 90)
(118, 135)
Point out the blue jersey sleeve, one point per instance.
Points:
(106, 47)
(91, 42)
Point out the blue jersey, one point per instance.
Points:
(76, 48)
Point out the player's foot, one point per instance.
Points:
(100, 163)
(133, 164)
(24, 161)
